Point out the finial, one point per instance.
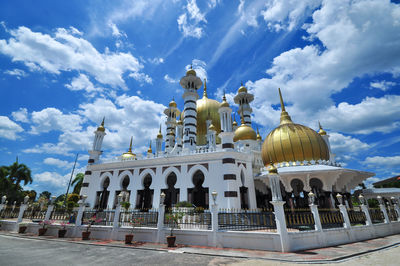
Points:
(272, 169)
(159, 135)
(241, 83)
(191, 66)
(321, 131)
(102, 122)
(149, 150)
(282, 104)
(130, 145)
(205, 88)
(320, 127)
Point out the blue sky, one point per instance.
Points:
(64, 65)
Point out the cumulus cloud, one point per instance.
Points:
(82, 82)
(341, 144)
(18, 73)
(192, 21)
(58, 163)
(9, 129)
(65, 51)
(383, 161)
(53, 119)
(52, 179)
(21, 115)
(382, 85)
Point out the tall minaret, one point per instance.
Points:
(325, 136)
(179, 134)
(211, 137)
(243, 98)
(171, 112)
(190, 83)
(95, 152)
(225, 115)
(159, 141)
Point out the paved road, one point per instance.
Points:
(24, 251)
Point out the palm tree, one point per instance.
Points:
(19, 172)
(78, 181)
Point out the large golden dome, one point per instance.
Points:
(244, 132)
(207, 108)
(291, 142)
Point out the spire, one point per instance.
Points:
(150, 150)
(234, 120)
(321, 131)
(101, 127)
(285, 117)
(102, 122)
(159, 135)
(130, 146)
(205, 88)
(258, 135)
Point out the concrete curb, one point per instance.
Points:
(214, 254)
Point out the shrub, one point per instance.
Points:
(184, 204)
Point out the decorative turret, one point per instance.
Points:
(95, 152)
(171, 112)
(190, 83)
(234, 124)
(211, 137)
(259, 139)
(244, 132)
(243, 98)
(150, 151)
(225, 114)
(178, 140)
(159, 141)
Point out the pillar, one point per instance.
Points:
(383, 209)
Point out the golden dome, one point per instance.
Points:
(291, 142)
(224, 102)
(244, 132)
(211, 127)
(172, 103)
(207, 108)
(128, 155)
(101, 127)
(191, 72)
(159, 135)
(321, 131)
(242, 89)
(234, 121)
(150, 150)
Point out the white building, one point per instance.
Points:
(205, 151)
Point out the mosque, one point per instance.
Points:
(206, 151)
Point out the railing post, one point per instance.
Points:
(117, 212)
(383, 209)
(160, 218)
(3, 202)
(81, 202)
(214, 217)
(281, 224)
(50, 208)
(314, 211)
(22, 209)
(343, 210)
(396, 207)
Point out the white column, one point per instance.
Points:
(346, 218)
(395, 206)
(364, 208)
(281, 224)
(160, 220)
(22, 209)
(314, 211)
(81, 202)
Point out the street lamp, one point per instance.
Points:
(339, 198)
(84, 197)
(119, 198)
(162, 197)
(53, 199)
(26, 199)
(394, 201)
(379, 198)
(214, 195)
(3, 199)
(311, 196)
(361, 198)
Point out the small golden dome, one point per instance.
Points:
(258, 135)
(128, 155)
(272, 169)
(244, 132)
(191, 72)
(211, 127)
(150, 150)
(291, 142)
(321, 131)
(159, 135)
(234, 121)
(172, 103)
(101, 127)
(180, 121)
(242, 89)
(224, 102)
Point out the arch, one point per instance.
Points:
(168, 171)
(198, 167)
(297, 186)
(316, 183)
(103, 177)
(145, 173)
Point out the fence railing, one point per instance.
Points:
(34, 214)
(102, 217)
(376, 215)
(9, 212)
(356, 217)
(189, 218)
(301, 219)
(392, 213)
(245, 220)
(330, 218)
(139, 218)
(63, 214)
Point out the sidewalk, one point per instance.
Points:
(321, 255)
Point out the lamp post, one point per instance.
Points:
(162, 197)
(214, 195)
(3, 199)
(311, 196)
(339, 198)
(361, 199)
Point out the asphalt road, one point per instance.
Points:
(23, 251)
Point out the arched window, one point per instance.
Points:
(198, 195)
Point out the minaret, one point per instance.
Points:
(95, 152)
(190, 84)
(243, 98)
(259, 139)
(178, 138)
(225, 115)
(211, 137)
(325, 136)
(159, 141)
(171, 112)
(150, 151)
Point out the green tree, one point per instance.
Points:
(19, 172)
(78, 181)
(45, 194)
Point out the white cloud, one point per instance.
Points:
(65, 51)
(358, 38)
(382, 85)
(51, 179)
(341, 144)
(141, 77)
(115, 31)
(53, 119)
(383, 161)
(60, 148)
(288, 14)
(9, 129)
(157, 60)
(191, 22)
(21, 115)
(58, 163)
(169, 79)
(19, 73)
(82, 82)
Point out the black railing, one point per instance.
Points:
(188, 218)
(376, 215)
(300, 219)
(34, 214)
(330, 218)
(138, 218)
(62, 214)
(101, 217)
(392, 213)
(356, 217)
(9, 212)
(244, 220)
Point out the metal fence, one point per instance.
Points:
(34, 213)
(392, 213)
(376, 215)
(188, 218)
(356, 217)
(330, 218)
(63, 214)
(9, 212)
(301, 219)
(244, 220)
(138, 218)
(102, 217)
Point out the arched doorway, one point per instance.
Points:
(171, 193)
(322, 198)
(145, 196)
(300, 199)
(102, 196)
(198, 195)
(244, 197)
(124, 191)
